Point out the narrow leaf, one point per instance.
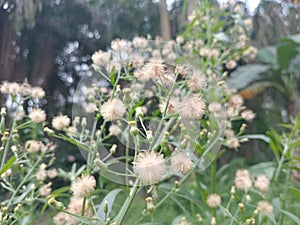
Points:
(8, 164)
(292, 216)
(110, 199)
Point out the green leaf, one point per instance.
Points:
(286, 51)
(112, 76)
(8, 164)
(292, 216)
(275, 142)
(189, 28)
(245, 75)
(256, 136)
(295, 144)
(110, 199)
(296, 192)
(184, 8)
(83, 219)
(57, 192)
(267, 168)
(267, 55)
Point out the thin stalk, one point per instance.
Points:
(281, 161)
(164, 113)
(122, 213)
(24, 180)
(287, 179)
(92, 156)
(7, 144)
(213, 183)
(83, 206)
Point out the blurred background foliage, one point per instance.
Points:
(49, 43)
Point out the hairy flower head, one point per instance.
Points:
(61, 122)
(242, 180)
(83, 185)
(181, 162)
(37, 115)
(213, 200)
(149, 166)
(113, 109)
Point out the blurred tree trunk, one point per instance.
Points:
(7, 48)
(44, 62)
(165, 27)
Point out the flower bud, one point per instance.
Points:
(76, 121)
(83, 122)
(150, 205)
(213, 221)
(113, 149)
(242, 206)
(139, 112)
(3, 111)
(49, 131)
(176, 184)
(105, 208)
(199, 217)
(149, 135)
(58, 205)
(134, 131)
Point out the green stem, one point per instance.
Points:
(281, 161)
(121, 215)
(164, 113)
(92, 156)
(7, 144)
(287, 179)
(213, 183)
(24, 180)
(83, 206)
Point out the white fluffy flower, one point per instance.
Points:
(213, 200)
(61, 122)
(83, 186)
(149, 166)
(37, 92)
(248, 115)
(181, 162)
(90, 107)
(197, 82)
(265, 208)
(33, 146)
(37, 115)
(192, 107)
(100, 58)
(242, 180)
(114, 130)
(113, 109)
(262, 183)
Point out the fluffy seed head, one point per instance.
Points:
(37, 115)
(113, 109)
(61, 122)
(242, 180)
(37, 92)
(213, 200)
(265, 208)
(33, 146)
(192, 107)
(83, 186)
(181, 162)
(149, 166)
(197, 82)
(100, 58)
(262, 183)
(114, 130)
